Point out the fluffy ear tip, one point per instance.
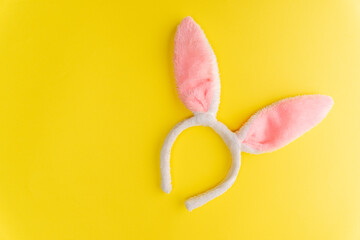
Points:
(188, 22)
(186, 27)
(330, 99)
(327, 101)
(188, 19)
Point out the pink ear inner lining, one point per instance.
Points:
(195, 66)
(286, 120)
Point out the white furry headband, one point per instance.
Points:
(198, 86)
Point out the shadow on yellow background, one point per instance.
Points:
(87, 96)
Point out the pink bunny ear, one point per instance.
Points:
(196, 69)
(282, 122)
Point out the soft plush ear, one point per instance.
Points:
(196, 70)
(282, 122)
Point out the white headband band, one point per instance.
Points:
(230, 140)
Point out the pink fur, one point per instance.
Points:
(195, 66)
(283, 122)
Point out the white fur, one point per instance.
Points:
(230, 139)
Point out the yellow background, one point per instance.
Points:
(87, 96)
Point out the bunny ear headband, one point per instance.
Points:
(198, 86)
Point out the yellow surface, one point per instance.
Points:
(87, 96)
